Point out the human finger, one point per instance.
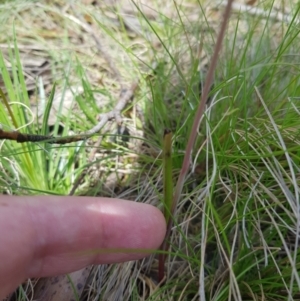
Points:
(56, 235)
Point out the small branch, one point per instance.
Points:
(104, 118)
(116, 112)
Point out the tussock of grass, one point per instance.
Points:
(237, 223)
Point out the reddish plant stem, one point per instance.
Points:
(197, 119)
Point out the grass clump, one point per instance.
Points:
(237, 222)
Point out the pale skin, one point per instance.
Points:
(45, 236)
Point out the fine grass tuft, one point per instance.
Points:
(237, 222)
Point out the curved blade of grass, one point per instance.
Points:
(9, 86)
(11, 95)
(47, 111)
(45, 130)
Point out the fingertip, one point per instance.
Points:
(156, 226)
(137, 232)
(134, 225)
(73, 232)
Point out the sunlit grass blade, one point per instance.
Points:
(46, 113)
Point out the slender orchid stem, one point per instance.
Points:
(197, 119)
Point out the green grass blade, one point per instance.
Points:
(47, 111)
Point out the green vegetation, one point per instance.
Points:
(237, 222)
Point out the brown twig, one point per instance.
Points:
(125, 96)
(104, 118)
(115, 113)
